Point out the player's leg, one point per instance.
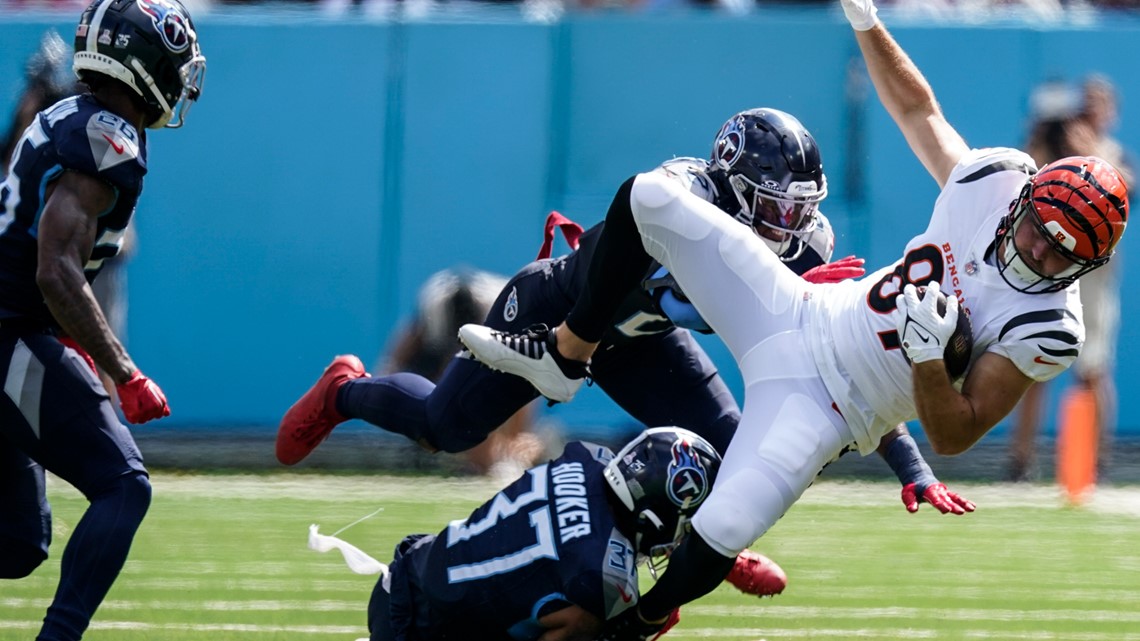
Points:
(735, 281)
(787, 433)
(667, 379)
(470, 401)
(25, 516)
(65, 422)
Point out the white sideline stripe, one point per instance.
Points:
(956, 614)
(198, 627)
(375, 490)
(774, 634)
(213, 606)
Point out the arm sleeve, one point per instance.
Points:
(695, 569)
(616, 269)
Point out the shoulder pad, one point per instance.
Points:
(822, 240)
(599, 453)
(113, 141)
(979, 163)
(691, 173)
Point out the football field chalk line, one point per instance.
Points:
(755, 634)
(1119, 500)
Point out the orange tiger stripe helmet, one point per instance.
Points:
(1080, 204)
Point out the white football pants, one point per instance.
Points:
(789, 428)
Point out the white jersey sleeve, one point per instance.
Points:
(1043, 343)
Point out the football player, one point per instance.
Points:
(823, 364)
(555, 553)
(648, 362)
(74, 182)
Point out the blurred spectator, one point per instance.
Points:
(425, 346)
(48, 78)
(1068, 121)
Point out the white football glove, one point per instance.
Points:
(860, 13)
(925, 332)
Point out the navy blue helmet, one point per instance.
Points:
(150, 46)
(772, 167)
(662, 477)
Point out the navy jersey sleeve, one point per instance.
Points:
(99, 143)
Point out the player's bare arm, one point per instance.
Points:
(906, 95)
(571, 623)
(954, 421)
(66, 237)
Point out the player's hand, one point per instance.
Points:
(937, 495)
(571, 623)
(924, 332)
(860, 13)
(70, 342)
(629, 626)
(833, 272)
(141, 399)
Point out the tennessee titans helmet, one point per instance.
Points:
(1079, 205)
(771, 165)
(150, 46)
(662, 477)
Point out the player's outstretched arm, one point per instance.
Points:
(905, 93)
(920, 485)
(66, 236)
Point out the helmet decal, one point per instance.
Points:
(1078, 203)
(729, 143)
(170, 21)
(688, 481)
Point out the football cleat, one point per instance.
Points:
(754, 573)
(530, 355)
(313, 417)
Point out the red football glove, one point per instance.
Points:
(70, 342)
(937, 495)
(141, 399)
(842, 269)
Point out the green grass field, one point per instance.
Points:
(225, 558)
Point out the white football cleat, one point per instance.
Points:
(530, 355)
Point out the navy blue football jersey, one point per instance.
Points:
(75, 134)
(546, 540)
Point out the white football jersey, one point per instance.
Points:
(858, 346)
(692, 173)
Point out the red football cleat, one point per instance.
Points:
(313, 417)
(754, 573)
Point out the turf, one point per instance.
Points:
(225, 558)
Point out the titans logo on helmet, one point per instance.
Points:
(729, 143)
(688, 480)
(170, 22)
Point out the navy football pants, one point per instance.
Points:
(56, 415)
(659, 379)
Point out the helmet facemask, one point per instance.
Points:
(1080, 218)
(780, 217)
